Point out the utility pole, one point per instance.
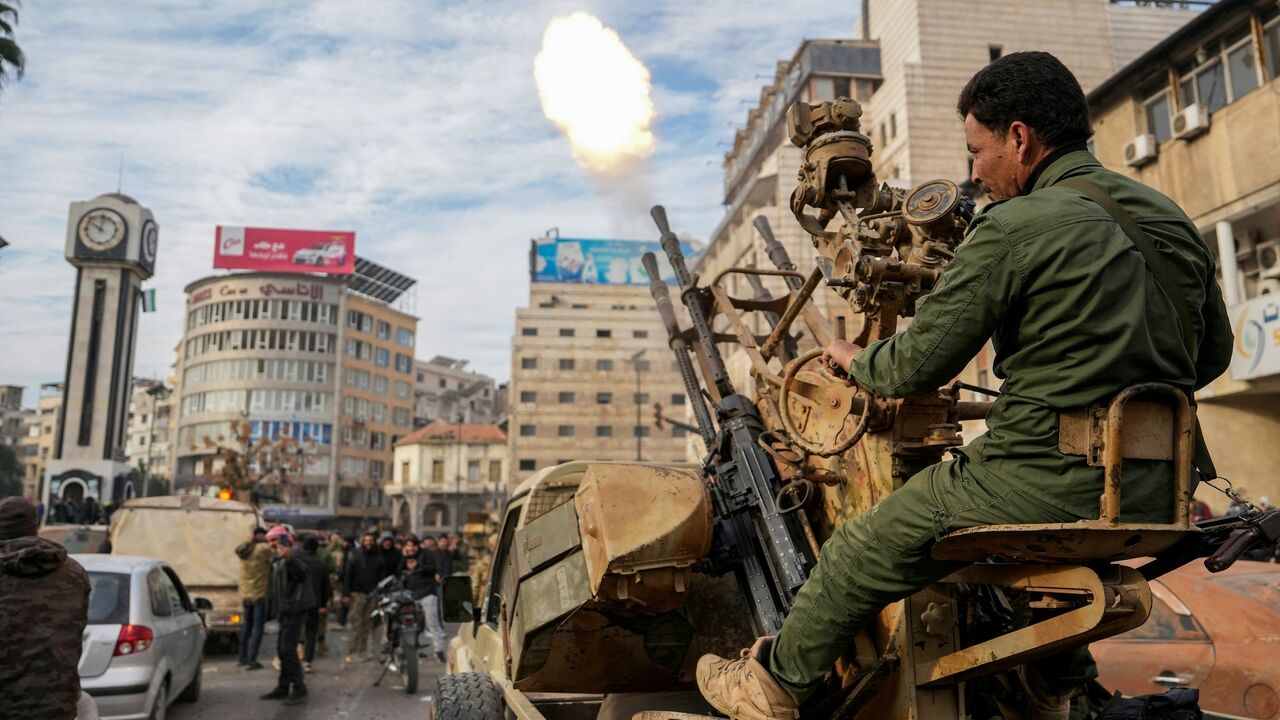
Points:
(457, 495)
(635, 363)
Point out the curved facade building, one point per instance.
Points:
(263, 348)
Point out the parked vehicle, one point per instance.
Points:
(76, 538)
(197, 536)
(1216, 632)
(143, 642)
(396, 610)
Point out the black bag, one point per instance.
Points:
(1176, 704)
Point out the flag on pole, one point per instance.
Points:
(149, 300)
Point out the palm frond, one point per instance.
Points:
(11, 55)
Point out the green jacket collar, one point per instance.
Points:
(1062, 166)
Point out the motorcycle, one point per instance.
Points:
(396, 608)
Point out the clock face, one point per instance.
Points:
(150, 239)
(101, 229)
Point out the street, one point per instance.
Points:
(337, 691)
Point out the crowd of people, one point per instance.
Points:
(301, 582)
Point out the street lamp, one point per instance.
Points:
(635, 363)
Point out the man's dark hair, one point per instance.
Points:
(1034, 87)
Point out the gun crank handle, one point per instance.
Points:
(1236, 544)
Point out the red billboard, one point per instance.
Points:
(300, 251)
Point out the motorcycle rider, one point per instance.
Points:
(418, 574)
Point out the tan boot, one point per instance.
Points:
(743, 689)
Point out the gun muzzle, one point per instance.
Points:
(658, 289)
(671, 246)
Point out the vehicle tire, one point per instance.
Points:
(467, 696)
(409, 661)
(160, 706)
(191, 693)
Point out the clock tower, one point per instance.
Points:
(111, 241)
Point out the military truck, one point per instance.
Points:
(197, 536)
(610, 579)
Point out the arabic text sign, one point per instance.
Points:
(301, 251)
(1257, 329)
(602, 262)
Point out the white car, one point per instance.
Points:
(144, 642)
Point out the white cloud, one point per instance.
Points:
(417, 123)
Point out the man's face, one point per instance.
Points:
(996, 164)
(388, 543)
(410, 549)
(366, 542)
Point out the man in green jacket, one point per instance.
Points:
(255, 565)
(1075, 316)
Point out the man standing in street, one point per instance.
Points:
(255, 566)
(44, 605)
(459, 555)
(291, 595)
(360, 576)
(1087, 282)
(318, 575)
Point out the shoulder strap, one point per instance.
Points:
(1158, 266)
(1165, 278)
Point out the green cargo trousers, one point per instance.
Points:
(883, 556)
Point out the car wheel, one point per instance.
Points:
(467, 696)
(160, 706)
(192, 692)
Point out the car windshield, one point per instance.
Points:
(1262, 587)
(108, 598)
(81, 540)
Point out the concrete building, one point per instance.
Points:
(588, 362)
(16, 427)
(444, 389)
(1198, 118)
(148, 446)
(42, 437)
(305, 357)
(446, 471)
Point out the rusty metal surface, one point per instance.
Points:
(1147, 432)
(1058, 543)
(643, 528)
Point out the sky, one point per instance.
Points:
(415, 124)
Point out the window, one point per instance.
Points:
(566, 363)
(566, 332)
(604, 431)
(566, 397)
(442, 383)
(377, 440)
(642, 365)
(495, 471)
(640, 333)
(527, 464)
(677, 398)
(382, 358)
(1242, 66)
(404, 473)
(604, 365)
(993, 52)
(437, 471)
(473, 471)
(528, 363)
(400, 418)
(642, 398)
(404, 363)
(830, 88)
(404, 336)
(1205, 85)
(528, 430)
(384, 330)
(604, 398)
(677, 431)
(529, 332)
(376, 469)
(1159, 115)
(604, 333)
(642, 431)
(528, 396)
(1271, 45)
(565, 431)
(893, 125)
(379, 385)
(402, 389)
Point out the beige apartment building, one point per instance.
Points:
(148, 446)
(1198, 118)
(310, 358)
(445, 389)
(445, 472)
(41, 438)
(588, 363)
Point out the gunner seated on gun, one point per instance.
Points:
(1075, 316)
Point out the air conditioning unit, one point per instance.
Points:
(1268, 257)
(1140, 150)
(1193, 120)
(1270, 286)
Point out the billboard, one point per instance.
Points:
(1256, 352)
(601, 262)
(301, 251)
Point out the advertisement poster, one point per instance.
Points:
(300, 251)
(602, 262)
(1257, 329)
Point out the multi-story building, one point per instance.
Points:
(43, 437)
(588, 363)
(445, 472)
(148, 446)
(16, 427)
(1198, 118)
(376, 400)
(444, 389)
(321, 370)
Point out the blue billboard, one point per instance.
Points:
(601, 262)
